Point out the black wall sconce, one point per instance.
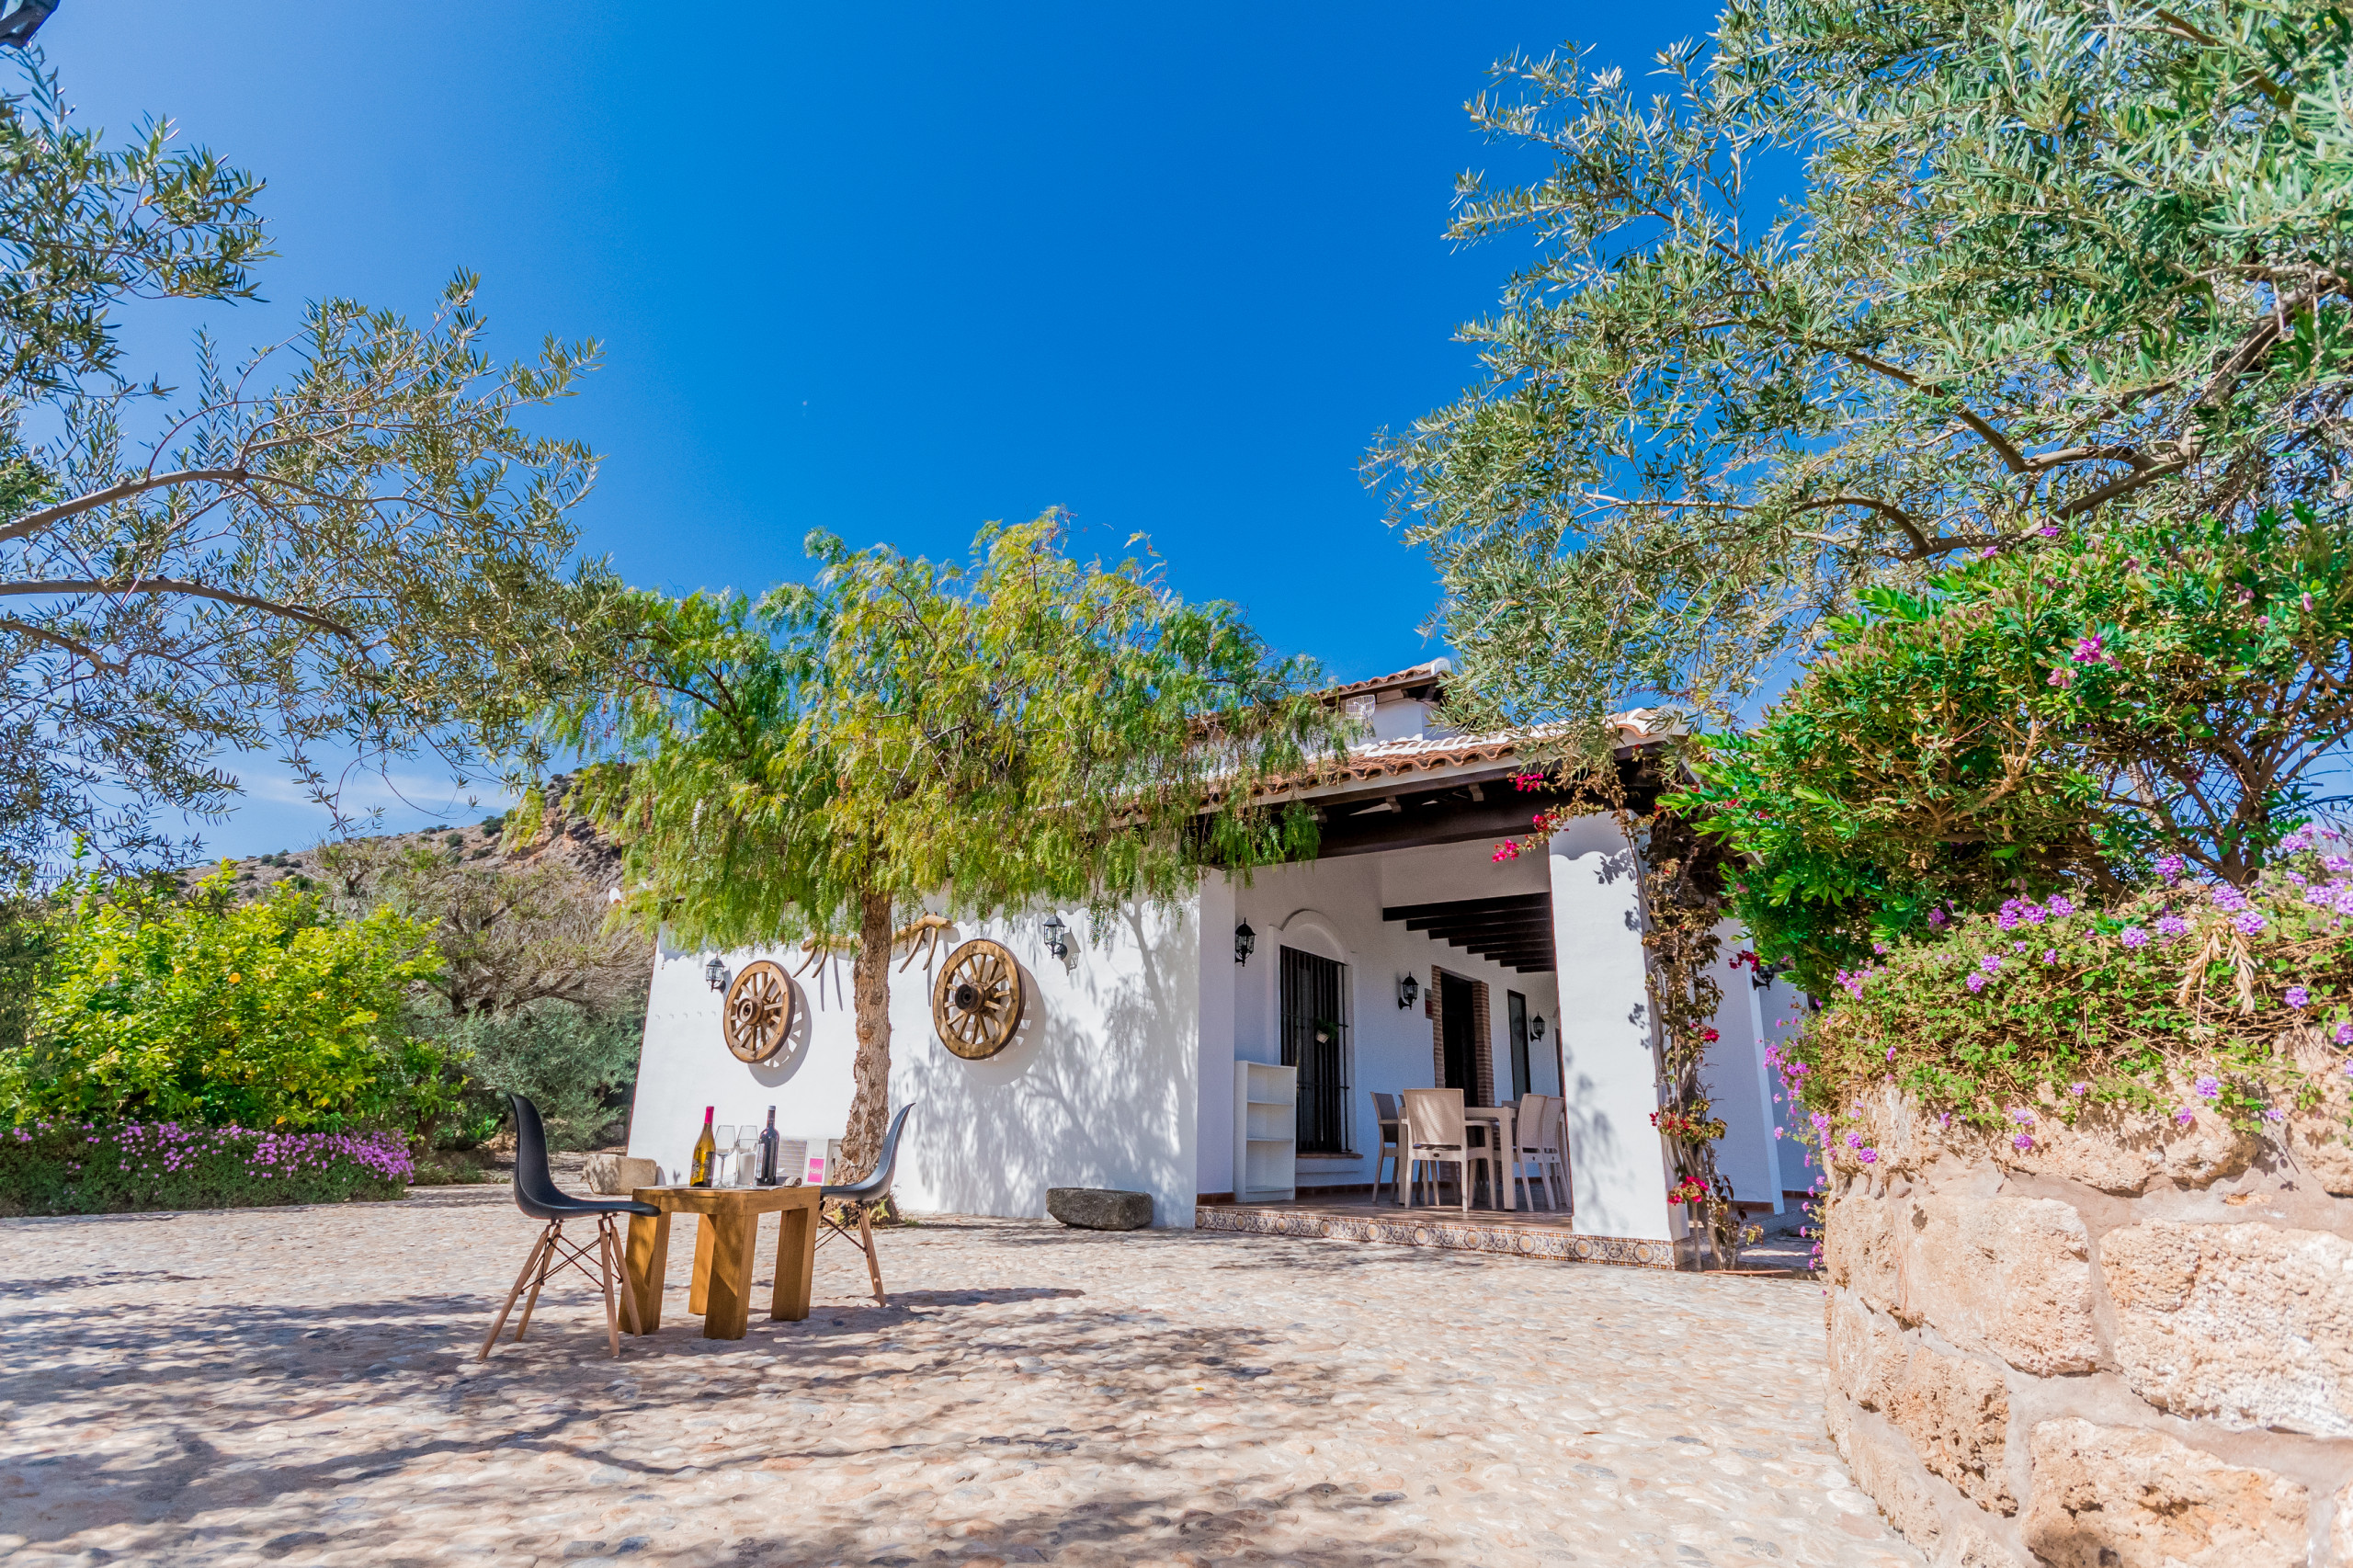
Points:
(1246, 942)
(1535, 1026)
(1057, 935)
(1409, 990)
(714, 973)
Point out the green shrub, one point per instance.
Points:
(2045, 718)
(269, 1013)
(74, 1168)
(574, 1063)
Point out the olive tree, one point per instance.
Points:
(342, 549)
(2043, 266)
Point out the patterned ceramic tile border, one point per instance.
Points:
(1519, 1240)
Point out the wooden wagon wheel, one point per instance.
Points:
(976, 1003)
(758, 1015)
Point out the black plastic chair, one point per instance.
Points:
(861, 1199)
(535, 1194)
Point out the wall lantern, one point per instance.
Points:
(1246, 942)
(1535, 1026)
(715, 973)
(1057, 935)
(1408, 990)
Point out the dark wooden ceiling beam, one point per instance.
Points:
(1519, 900)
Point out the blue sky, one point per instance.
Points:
(894, 271)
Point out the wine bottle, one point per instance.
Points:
(769, 1141)
(700, 1173)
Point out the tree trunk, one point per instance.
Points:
(869, 1000)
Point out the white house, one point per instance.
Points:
(1527, 976)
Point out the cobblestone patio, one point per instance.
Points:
(298, 1386)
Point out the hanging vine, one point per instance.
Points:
(1683, 888)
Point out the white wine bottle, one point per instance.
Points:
(700, 1174)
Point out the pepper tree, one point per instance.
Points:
(818, 763)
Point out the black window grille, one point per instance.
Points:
(1315, 1041)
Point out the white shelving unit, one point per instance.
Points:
(1265, 1132)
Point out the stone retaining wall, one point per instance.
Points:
(2129, 1346)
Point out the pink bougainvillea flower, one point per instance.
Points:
(2059, 906)
(2208, 1087)
(2171, 925)
(2133, 936)
(2022, 1143)
(2185, 1115)
(2248, 922)
(2171, 867)
(2299, 998)
(1991, 963)
(2344, 1034)
(1976, 981)
(1868, 1156)
(2079, 1088)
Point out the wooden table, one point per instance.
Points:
(729, 1227)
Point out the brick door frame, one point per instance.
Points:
(1481, 1089)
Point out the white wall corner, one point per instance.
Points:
(1608, 1036)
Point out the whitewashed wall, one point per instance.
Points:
(1097, 1089)
(1608, 1035)
(1734, 1076)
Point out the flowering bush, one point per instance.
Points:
(270, 1014)
(2056, 715)
(2040, 1008)
(73, 1168)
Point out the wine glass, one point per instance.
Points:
(747, 1152)
(722, 1137)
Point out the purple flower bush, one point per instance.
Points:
(2203, 993)
(73, 1167)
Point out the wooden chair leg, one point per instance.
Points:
(604, 1278)
(547, 1264)
(530, 1260)
(874, 1264)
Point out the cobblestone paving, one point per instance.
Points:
(298, 1386)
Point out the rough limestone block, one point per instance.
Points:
(1885, 1468)
(1860, 1245)
(2249, 1324)
(2008, 1274)
(2122, 1497)
(1957, 1413)
(620, 1173)
(2319, 1143)
(1098, 1209)
(2114, 1150)
(1966, 1546)
(1868, 1355)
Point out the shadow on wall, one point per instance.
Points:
(777, 1070)
(1091, 1093)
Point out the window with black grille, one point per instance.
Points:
(1315, 1041)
